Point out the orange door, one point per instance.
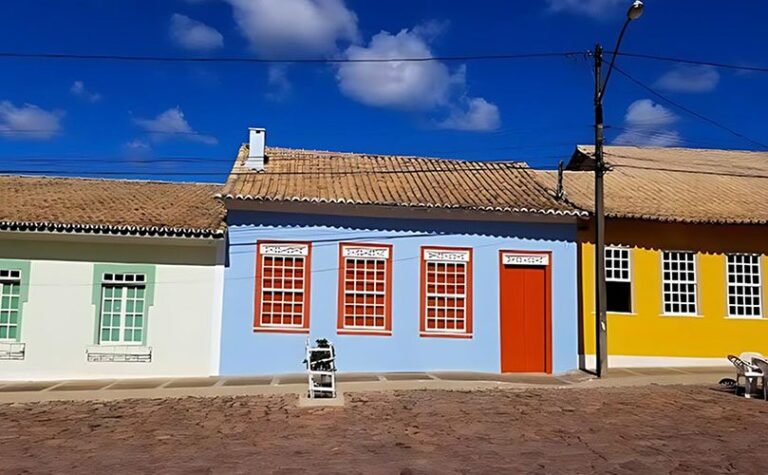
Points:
(524, 319)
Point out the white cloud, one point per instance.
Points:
(172, 124)
(28, 122)
(428, 86)
(78, 89)
(692, 79)
(477, 115)
(401, 85)
(305, 28)
(194, 35)
(277, 78)
(649, 124)
(593, 8)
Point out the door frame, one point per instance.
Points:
(547, 300)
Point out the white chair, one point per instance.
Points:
(762, 365)
(748, 371)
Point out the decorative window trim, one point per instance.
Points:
(283, 249)
(449, 255)
(695, 283)
(382, 252)
(758, 286)
(18, 270)
(101, 276)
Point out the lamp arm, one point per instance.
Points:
(613, 58)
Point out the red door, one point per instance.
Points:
(525, 319)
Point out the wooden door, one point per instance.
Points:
(525, 319)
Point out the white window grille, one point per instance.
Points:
(679, 282)
(618, 279)
(744, 285)
(10, 304)
(123, 309)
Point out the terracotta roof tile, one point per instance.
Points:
(110, 206)
(416, 182)
(673, 184)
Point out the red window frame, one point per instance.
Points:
(275, 288)
(428, 287)
(351, 303)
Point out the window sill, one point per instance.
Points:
(281, 330)
(746, 318)
(677, 315)
(348, 331)
(465, 336)
(119, 354)
(12, 350)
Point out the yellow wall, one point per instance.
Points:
(649, 333)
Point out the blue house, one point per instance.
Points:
(405, 263)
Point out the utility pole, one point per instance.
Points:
(601, 320)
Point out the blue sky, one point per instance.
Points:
(92, 117)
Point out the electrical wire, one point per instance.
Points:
(244, 59)
(715, 64)
(688, 110)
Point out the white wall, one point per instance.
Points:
(59, 318)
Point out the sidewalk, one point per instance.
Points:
(12, 392)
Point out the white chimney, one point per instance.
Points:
(256, 142)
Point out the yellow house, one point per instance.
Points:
(686, 245)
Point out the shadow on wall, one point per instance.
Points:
(425, 227)
(705, 238)
(105, 249)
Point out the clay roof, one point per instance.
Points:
(673, 184)
(292, 175)
(122, 207)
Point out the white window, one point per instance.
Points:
(679, 280)
(10, 302)
(618, 280)
(123, 310)
(744, 295)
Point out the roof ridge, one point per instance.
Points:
(368, 155)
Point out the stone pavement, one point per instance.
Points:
(12, 392)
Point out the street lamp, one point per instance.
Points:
(601, 322)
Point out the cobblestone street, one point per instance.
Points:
(647, 429)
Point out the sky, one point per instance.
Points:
(185, 121)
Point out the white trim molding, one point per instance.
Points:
(274, 249)
(446, 255)
(627, 361)
(524, 259)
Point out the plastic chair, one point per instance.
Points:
(762, 365)
(748, 371)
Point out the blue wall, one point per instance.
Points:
(247, 352)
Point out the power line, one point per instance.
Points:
(422, 59)
(693, 61)
(245, 59)
(458, 167)
(688, 110)
(677, 170)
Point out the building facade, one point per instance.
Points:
(109, 279)
(687, 239)
(358, 249)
